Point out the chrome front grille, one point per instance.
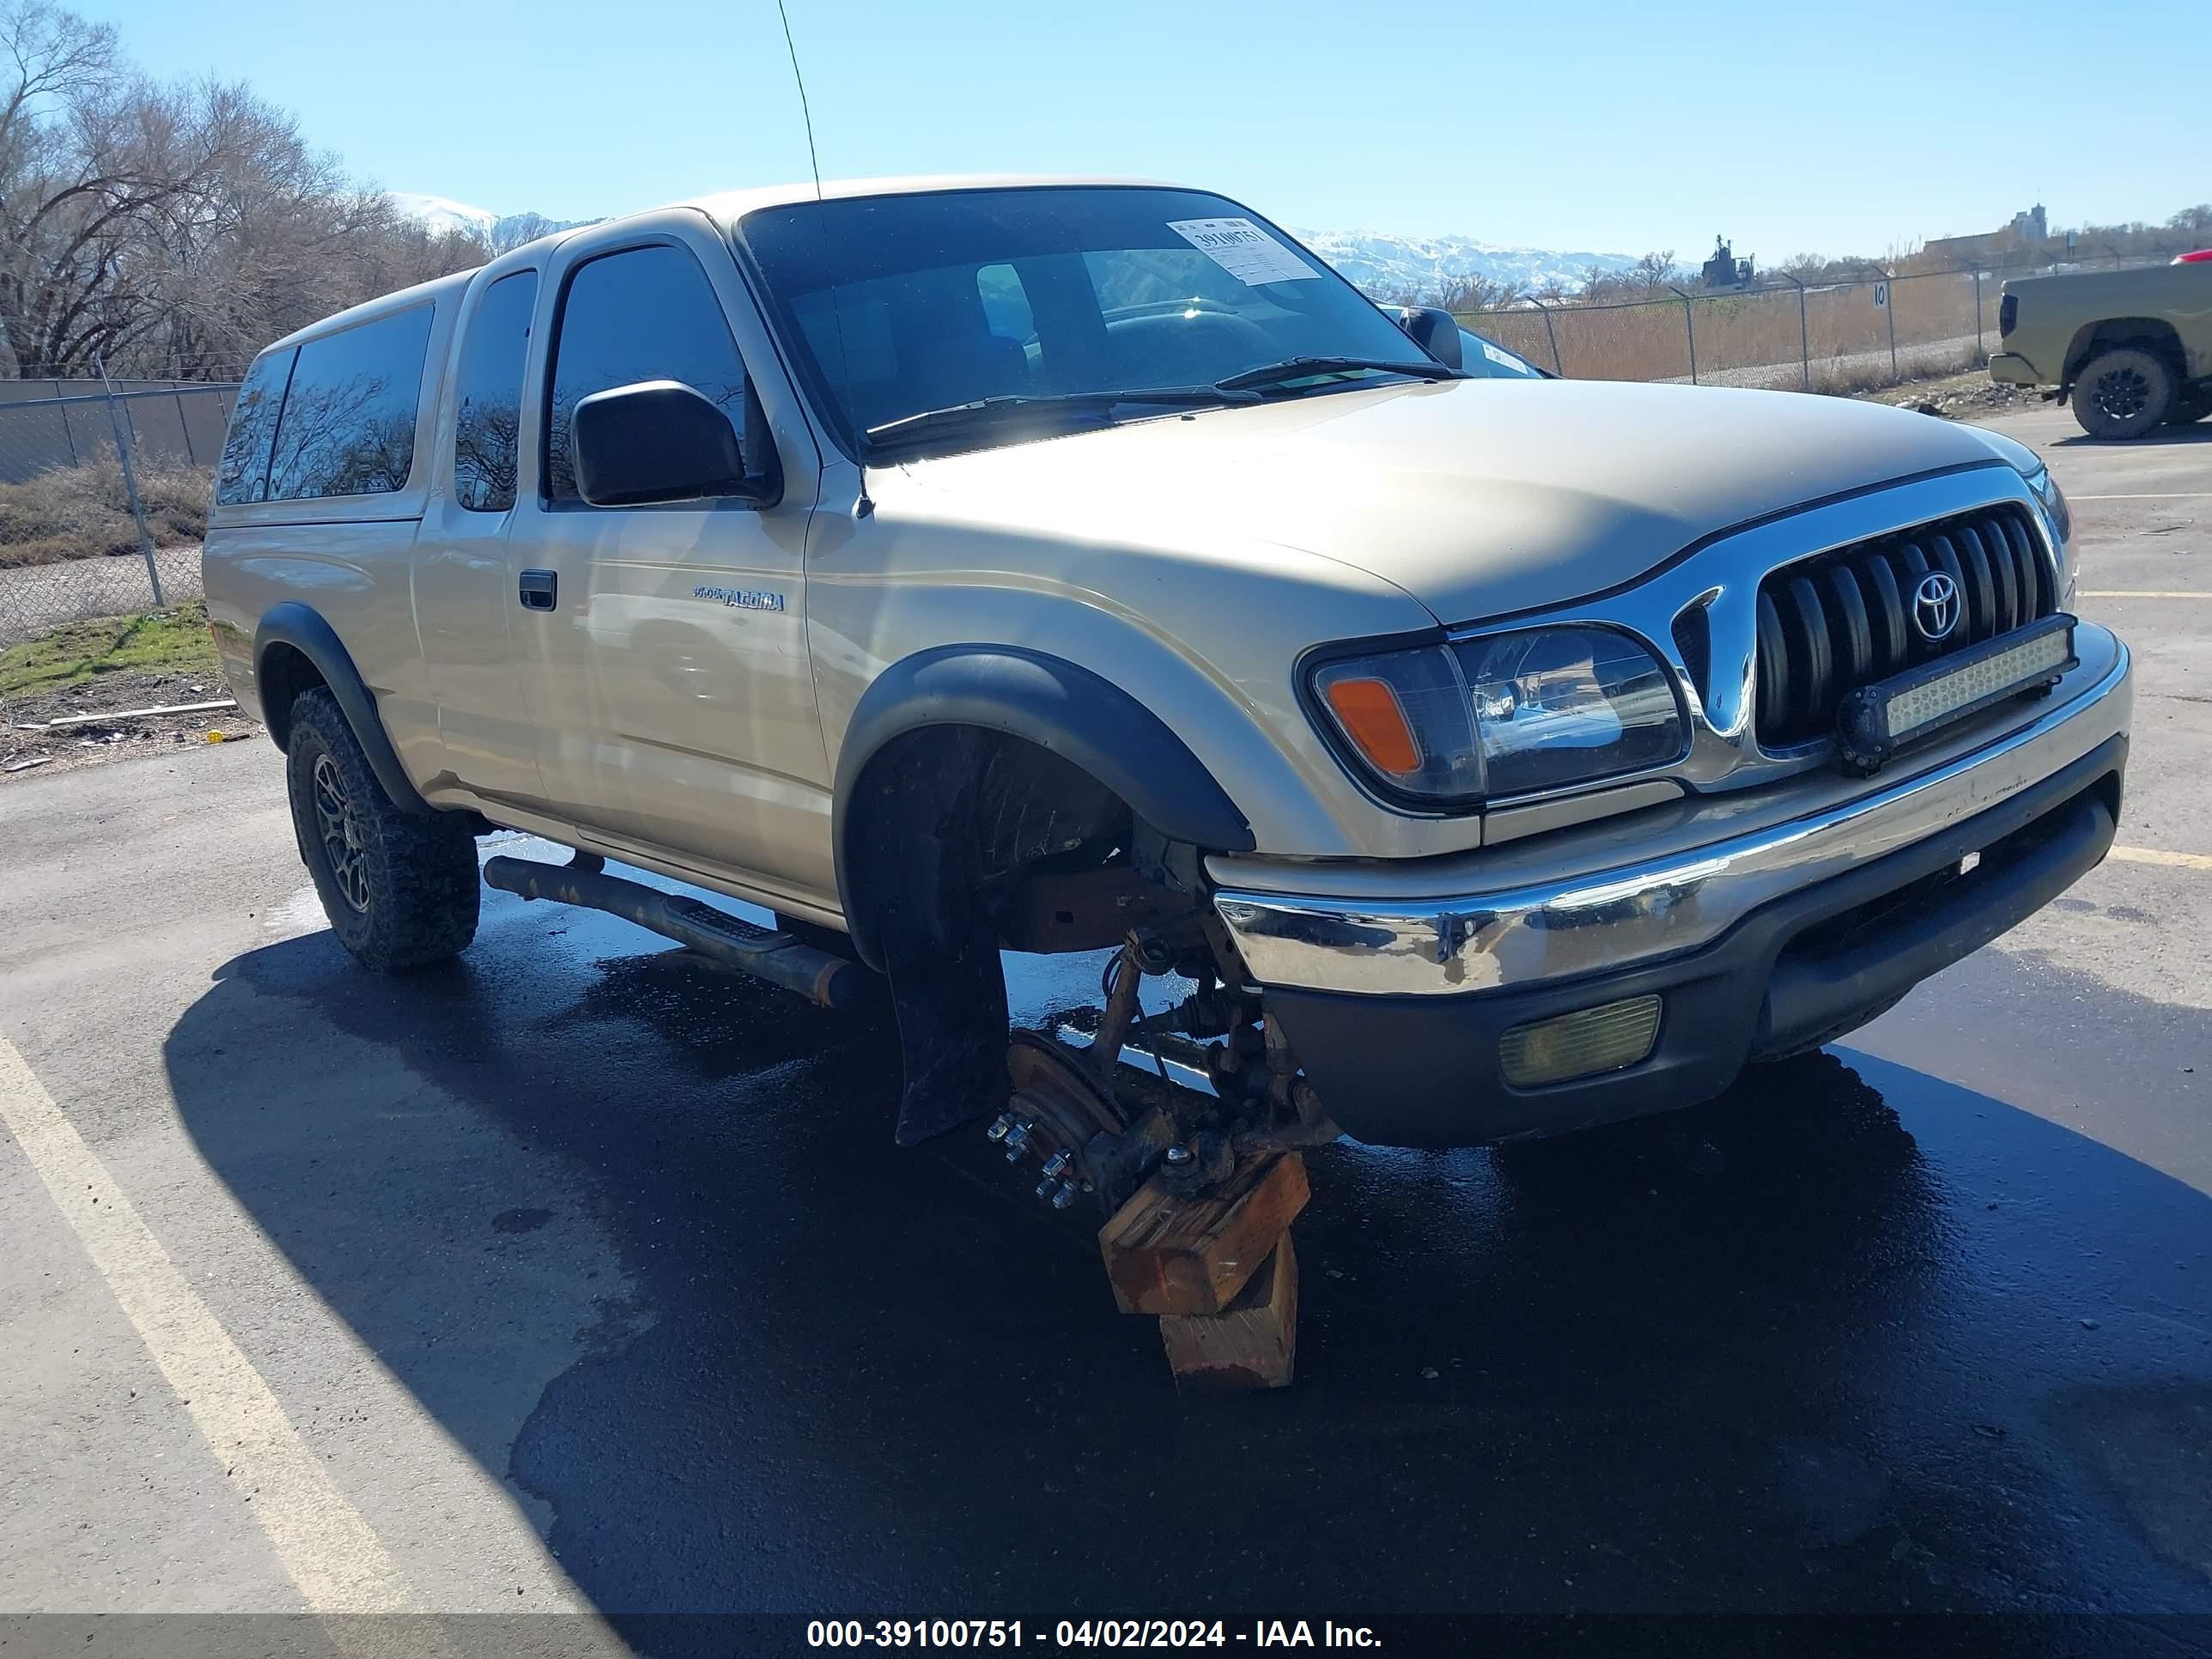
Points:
(1844, 618)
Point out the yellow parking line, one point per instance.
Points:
(2156, 855)
(2137, 594)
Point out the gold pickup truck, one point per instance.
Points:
(945, 566)
(2132, 348)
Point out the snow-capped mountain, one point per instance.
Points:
(1387, 267)
(1421, 268)
(441, 214)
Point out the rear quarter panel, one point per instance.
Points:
(2057, 313)
(356, 577)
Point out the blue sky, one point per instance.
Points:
(1612, 124)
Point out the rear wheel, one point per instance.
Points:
(401, 891)
(2123, 394)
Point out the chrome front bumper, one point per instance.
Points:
(1433, 928)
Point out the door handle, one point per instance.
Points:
(540, 590)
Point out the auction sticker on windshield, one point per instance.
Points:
(1243, 250)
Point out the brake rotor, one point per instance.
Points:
(1056, 1109)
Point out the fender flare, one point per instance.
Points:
(291, 624)
(1055, 704)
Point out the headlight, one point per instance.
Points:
(2044, 489)
(1504, 715)
(2047, 490)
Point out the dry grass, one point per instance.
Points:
(1854, 379)
(82, 512)
(1651, 341)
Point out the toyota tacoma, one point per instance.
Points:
(952, 566)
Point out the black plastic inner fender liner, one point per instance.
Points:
(1057, 705)
(916, 834)
(1423, 1071)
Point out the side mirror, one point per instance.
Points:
(1434, 331)
(656, 440)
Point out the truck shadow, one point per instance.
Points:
(638, 1240)
(2165, 437)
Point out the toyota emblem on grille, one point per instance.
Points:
(1935, 606)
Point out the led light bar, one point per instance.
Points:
(1877, 721)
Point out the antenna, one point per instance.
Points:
(864, 507)
(806, 113)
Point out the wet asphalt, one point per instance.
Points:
(598, 1279)
(1854, 1337)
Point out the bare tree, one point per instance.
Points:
(1475, 292)
(171, 229)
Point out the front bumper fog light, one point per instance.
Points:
(1580, 1044)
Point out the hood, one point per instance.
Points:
(1477, 497)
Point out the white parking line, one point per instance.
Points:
(2150, 495)
(2137, 594)
(329, 1551)
(2154, 856)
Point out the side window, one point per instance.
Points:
(348, 426)
(244, 473)
(646, 313)
(490, 387)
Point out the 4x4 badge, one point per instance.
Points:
(1935, 606)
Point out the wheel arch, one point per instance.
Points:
(296, 649)
(2151, 334)
(1065, 710)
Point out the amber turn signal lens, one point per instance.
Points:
(1370, 713)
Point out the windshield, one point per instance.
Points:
(899, 306)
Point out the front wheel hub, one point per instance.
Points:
(2121, 393)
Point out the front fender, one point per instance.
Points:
(1059, 706)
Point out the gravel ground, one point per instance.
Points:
(63, 749)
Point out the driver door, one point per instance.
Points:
(664, 647)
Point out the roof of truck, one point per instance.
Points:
(730, 206)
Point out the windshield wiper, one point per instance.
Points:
(985, 411)
(1299, 368)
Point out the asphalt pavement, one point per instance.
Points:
(564, 1281)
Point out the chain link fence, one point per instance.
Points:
(1868, 331)
(103, 496)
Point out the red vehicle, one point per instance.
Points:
(2201, 257)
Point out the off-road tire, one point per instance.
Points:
(402, 890)
(2123, 393)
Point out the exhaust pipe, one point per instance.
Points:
(779, 959)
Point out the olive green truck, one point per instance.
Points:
(2131, 348)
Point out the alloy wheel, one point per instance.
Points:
(344, 842)
(2121, 394)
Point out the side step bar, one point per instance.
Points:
(779, 958)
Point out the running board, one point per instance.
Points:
(830, 981)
